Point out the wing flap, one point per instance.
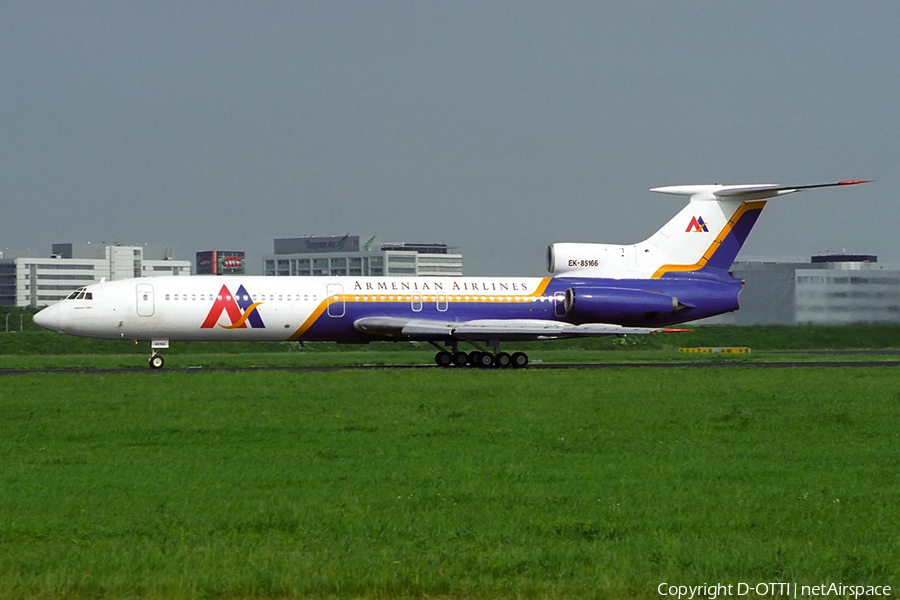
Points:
(398, 327)
(509, 326)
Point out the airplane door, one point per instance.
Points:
(559, 299)
(335, 299)
(144, 300)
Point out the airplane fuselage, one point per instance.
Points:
(326, 308)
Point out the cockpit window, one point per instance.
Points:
(80, 294)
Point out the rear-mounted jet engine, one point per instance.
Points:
(613, 305)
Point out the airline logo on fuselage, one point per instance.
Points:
(240, 309)
(697, 225)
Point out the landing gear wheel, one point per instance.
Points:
(459, 359)
(443, 359)
(519, 360)
(502, 360)
(156, 362)
(484, 360)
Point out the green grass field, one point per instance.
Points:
(446, 483)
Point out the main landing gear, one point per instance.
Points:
(481, 358)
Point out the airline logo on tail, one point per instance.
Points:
(240, 308)
(697, 226)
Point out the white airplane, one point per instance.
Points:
(679, 274)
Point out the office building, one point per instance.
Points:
(830, 289)
(344, 256)
(29, 280)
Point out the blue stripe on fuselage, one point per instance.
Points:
(705, 293)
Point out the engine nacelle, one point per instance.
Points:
(590, 259)
(611, 304)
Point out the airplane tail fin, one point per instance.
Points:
(706, 234)
(709, 232)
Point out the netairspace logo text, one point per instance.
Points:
(778, 589)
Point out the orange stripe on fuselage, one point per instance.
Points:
(543, 286)
(716, 242)
(309, 321)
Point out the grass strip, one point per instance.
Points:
(477, 484)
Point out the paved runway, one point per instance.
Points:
(534, 366)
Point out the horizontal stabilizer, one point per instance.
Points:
(756, 191)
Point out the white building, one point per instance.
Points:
(343, 256)
(27, 280)
(853, 290)
(830, 289)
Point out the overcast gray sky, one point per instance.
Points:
(498, 127)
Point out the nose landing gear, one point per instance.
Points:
(156, 361)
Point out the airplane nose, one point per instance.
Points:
(48, 318)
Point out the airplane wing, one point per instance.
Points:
(490, 329)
